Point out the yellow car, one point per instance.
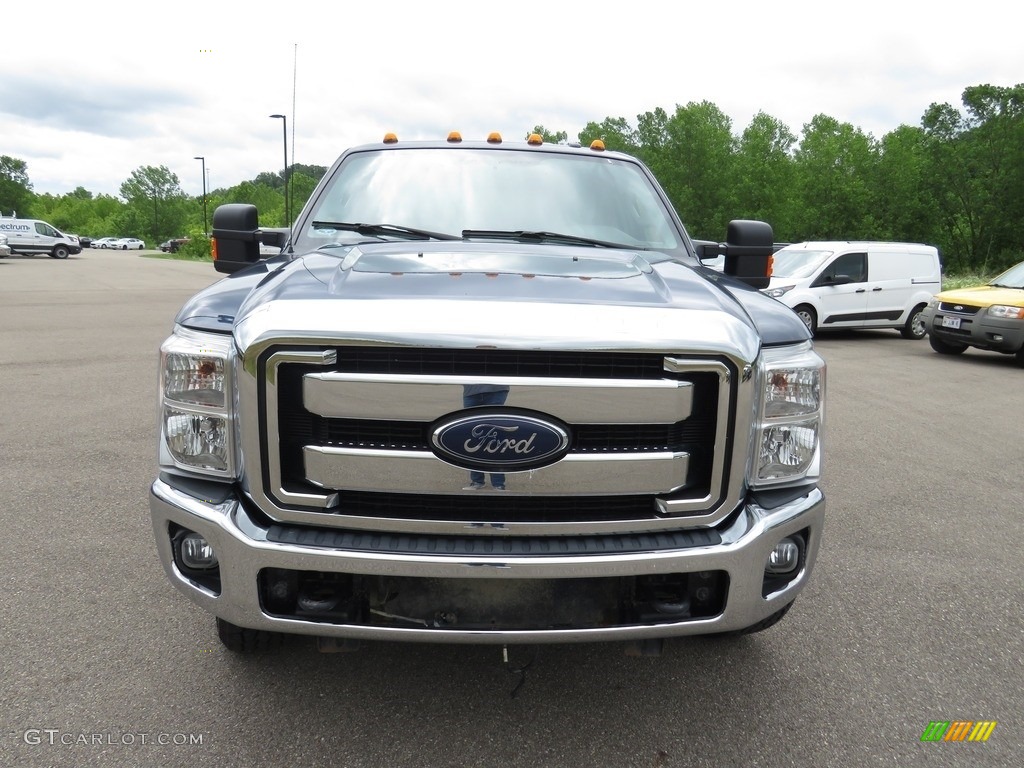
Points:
(985, 317)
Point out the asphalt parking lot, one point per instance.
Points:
(913, 613)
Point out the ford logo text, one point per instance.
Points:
(505, 439)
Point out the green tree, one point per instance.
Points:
(835, 169)
(156, 206)
(549, 137)
(764, 175)
(301, 187)
(901, 197)
(15, 188)
(268, 201)
(315, 172)
(81, 213)
(271, 179)
(691, 153)
(615, 132)
(977, 175)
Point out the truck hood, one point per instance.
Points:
(503, 295)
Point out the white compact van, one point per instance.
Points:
(857, 284)
(31, 237)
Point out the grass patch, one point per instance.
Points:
(953, 282)
(174, 256)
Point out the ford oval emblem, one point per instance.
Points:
(499, 439)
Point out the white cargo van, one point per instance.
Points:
(32, 236)
(857, 284)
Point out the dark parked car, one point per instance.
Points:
(172, 246)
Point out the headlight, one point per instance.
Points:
(789, 420)
(782, 290)
(197, 407)
(1002, 310)
(933, 303)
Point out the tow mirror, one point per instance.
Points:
(236, 237)
(747, 249)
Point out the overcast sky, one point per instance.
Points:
(89, 92)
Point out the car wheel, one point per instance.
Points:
(945, 347)
(124, 247)
(915, 328)
(808, 317)
(1019, 357)
(60, 252)
(245, 640)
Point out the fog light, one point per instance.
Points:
(784, 557)
(196, 553)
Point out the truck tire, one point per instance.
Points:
(59, 252)
(807, 314)
(244, 640)
(945, 347)
(914, 328)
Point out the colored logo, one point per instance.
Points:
(501, 440)
(958, 730)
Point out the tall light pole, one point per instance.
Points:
(287, 208)
(205, 230)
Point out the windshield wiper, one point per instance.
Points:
(385, 230)
(1003, 285)
(539, 236)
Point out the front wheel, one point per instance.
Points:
(808, 317)
(944, 347)
(914, 328)
(60, 252)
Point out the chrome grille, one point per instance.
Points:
(351, 470)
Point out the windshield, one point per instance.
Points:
(1011, 278)
(797, 262)
(487, 193)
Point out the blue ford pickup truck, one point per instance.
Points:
(487, 393)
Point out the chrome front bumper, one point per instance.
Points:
(244, 550)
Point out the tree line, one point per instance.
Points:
(955, 181)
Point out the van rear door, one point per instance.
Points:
(899, 280)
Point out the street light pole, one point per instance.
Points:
(206, 231)
(287, 207)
